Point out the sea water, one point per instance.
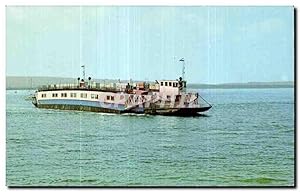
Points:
(245, 139)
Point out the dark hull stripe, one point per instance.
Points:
(78, 108)
(75, 102)
(178, 111)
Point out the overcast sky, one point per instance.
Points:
(219, 44)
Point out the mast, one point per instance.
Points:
(183, 68)
(83, 72)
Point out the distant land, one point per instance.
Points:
(249, 85)
(19, 83)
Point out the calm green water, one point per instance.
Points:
(246, 139)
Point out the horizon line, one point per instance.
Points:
(221, 83)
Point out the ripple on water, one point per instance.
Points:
(262, 181)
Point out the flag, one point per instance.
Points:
(182, 59)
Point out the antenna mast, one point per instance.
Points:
(183, 68)
(83, 72)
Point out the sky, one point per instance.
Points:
(219, 44)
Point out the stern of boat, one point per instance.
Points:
(34, 100)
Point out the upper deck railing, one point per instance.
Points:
(106, 87)
(55, 87)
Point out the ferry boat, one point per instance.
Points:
(166, 97)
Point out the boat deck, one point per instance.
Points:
(88, 88)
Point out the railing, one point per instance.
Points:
(103, 87)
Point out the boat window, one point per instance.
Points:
(168, 97)
(166, 83)
(54, 94)
(112, 98)
(107, 97)
(43, 95)
(94, 96)
(170, 84)
(83, 95)
(162, 83)
(73, 94)
(63, 94)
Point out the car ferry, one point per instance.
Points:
(166, 97)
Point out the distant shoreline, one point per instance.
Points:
(32, 83)
(241, 86)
